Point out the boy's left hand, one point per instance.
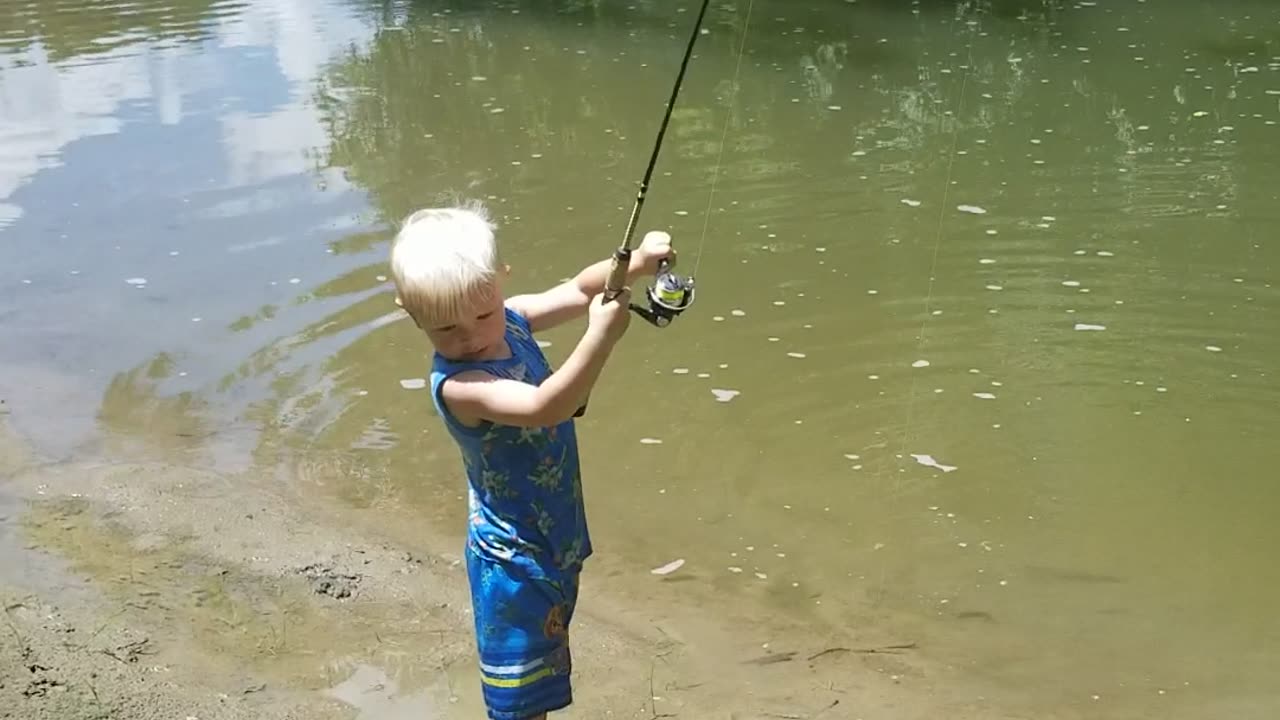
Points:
(655, 248)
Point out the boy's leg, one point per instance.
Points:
(522, 634)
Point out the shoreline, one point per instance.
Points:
(265, 592)
(255, 594)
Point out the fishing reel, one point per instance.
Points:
(670, 295)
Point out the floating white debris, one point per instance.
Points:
(928, 461)
(1199, 113)
(994, 287)
(834, 107)
(737, 313)
(680, 371)
(796, 354)
(733, 569)
(669, 568)
(1087, 326)
(413, 383)
(762, 576)
(725, 395)
(912, 203)
(380, 278)
(779, 302)
(650, 441)
(718, 318)
(993, 231)
(1213, 348)
(984, 396)
(544, 343)
(973, 209)
(137, 281)
(986, 261)
(852, 456)
(1071, 283)
(682, 213)
(1106, 253)
(294, 281)
(920, 364)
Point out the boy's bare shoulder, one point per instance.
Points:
(475, 395)
(464, 394)
(460, 385)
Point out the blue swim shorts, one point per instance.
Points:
(522, 633)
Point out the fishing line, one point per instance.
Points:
(715, 176)
(928, 300)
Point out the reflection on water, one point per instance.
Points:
(1027, 240)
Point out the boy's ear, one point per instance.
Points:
(400, 304)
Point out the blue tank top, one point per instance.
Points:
(525, 490)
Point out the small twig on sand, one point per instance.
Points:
(797, 716)
(887, 649)
(653, 698)
(823, 710)
(132, 651)
(772, 658)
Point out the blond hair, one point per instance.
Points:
(442, 259)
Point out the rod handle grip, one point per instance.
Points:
(618, 268)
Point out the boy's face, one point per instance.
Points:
(476, 332)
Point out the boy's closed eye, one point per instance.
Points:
(451, 328)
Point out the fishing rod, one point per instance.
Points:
(670, 294)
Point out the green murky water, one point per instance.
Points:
(1033, 241)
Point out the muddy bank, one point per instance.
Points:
(157, 590)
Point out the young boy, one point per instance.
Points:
(512, 419)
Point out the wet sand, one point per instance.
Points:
(150, 589)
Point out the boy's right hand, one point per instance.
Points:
(610, 317)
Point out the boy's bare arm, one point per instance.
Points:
(570, 299)
(476, 396)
